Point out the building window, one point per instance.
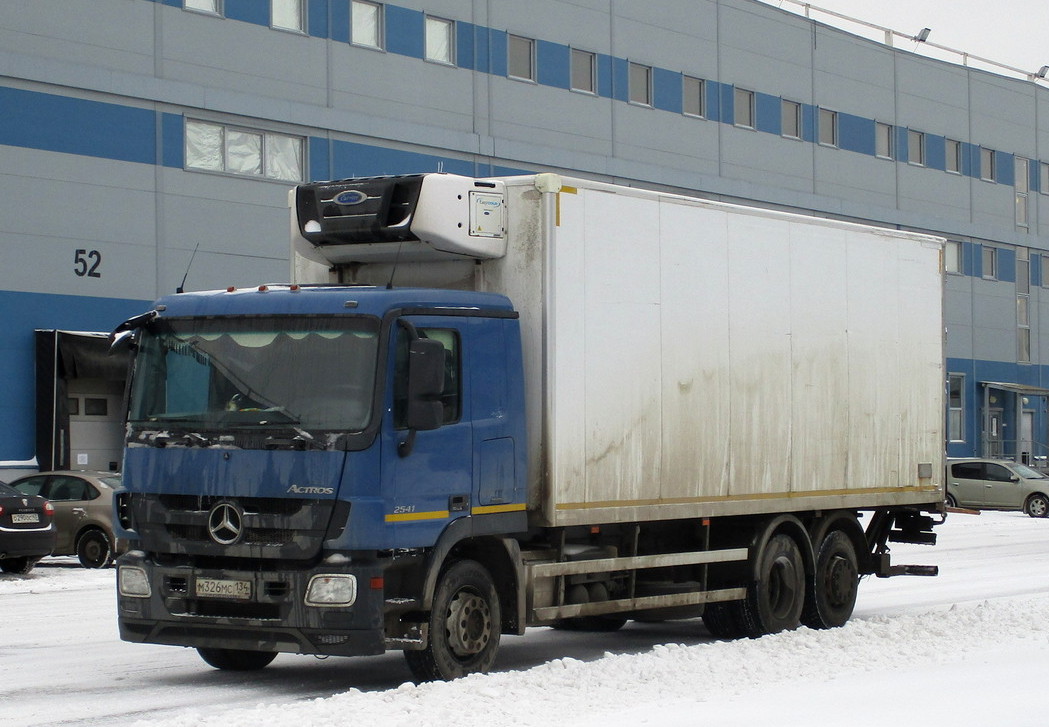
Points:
(366, 24)
(743, 108)
(440, 40)
(790, 119)
(952, 257)
(953, 160)
(883, 140)
(1043, 177)
(828, 127)
(521, 63)
(245, 152)
(955, 407)
(584, 71)
(987, 164)
(915, 147)
(1023, 189)
(990, 263)
(640, 84)
(1045, 270)
(205, 6)
(288, 15)
(1023, 305)
(693, 96)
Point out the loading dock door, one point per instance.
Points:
(79, 401)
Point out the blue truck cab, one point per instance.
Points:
(299, 457)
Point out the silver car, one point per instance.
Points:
(991, 484)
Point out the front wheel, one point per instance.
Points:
(951, 501)
(1037, 505)
(464, 626)
(237, 659)
(93, 549)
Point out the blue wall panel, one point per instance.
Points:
(856, 134)
(340, 20)
(248, 11)
(497, 41)
(768, 112)
(320, 159)
(76, 126)
(317, 18)
(936, 152)
(466, 47)
(553, 64)
(666, 90)
(604, 75)
(172, 138)
(405, 30)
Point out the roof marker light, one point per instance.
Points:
(230, 289)
(263, 288)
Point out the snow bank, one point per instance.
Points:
(716, 682)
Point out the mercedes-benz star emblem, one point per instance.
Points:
(225, 523)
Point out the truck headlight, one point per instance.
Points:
(133, 582)
(331, 590)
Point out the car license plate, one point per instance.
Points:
(220, 588)
(24, 517)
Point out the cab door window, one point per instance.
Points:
(451, 399)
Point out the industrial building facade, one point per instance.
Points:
(150, 144)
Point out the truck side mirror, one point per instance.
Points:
(425, 384)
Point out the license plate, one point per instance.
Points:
(24, 517)
(219, 588)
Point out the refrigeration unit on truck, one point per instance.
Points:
(488, 404)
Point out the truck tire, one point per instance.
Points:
(465, 624)
(237, 659)
(723, 620)
(834, 585)
(776, 598)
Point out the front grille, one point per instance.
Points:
(278, 528)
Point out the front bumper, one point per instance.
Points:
(274, 617)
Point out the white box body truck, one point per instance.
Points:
(643, 405)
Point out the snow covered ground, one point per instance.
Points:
(968, 647)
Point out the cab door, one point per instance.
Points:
(427, 475)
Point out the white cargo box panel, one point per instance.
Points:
(701, 359)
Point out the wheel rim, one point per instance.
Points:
(1037, 506)
(783, 592)
(469, 624)
(839, 581)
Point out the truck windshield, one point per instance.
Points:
(308, 373)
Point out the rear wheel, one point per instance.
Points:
(17, 565)
(464, 626)
(774, 602)
(236, 659)
(835, 584)
(1037, 505)
(951, 502)
(93, 549)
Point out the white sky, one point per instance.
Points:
(1013, 32)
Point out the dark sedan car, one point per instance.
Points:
(27, 531)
